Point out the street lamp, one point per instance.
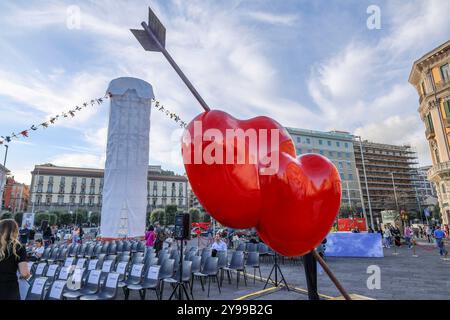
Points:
(6, 155)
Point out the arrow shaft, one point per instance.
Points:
(176, 67)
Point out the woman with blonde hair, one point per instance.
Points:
(13, 257)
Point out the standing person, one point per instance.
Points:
(24, 234)
(408, 235)
(47, 235)
(429, 233)
(150, 237)
(80, 234)
(32, 234)
(387, 237)
(160, 237)
(75, 235)
(13, 258)
(439, 235)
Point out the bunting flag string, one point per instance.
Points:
(52, 120)
(172, 115)
(25, 133)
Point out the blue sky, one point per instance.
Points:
(308, 64)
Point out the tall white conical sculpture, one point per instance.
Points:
(127, 153)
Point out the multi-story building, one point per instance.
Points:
(338, 147)
(389, 170)
(68, 189)
(3, 173)
(430, 75)
(424, 187)
(15, 196)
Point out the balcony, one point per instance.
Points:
(440, 170)
(430, 134)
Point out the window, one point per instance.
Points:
(339, 155)
(72, 200)
(429, 123)
(445, 72)
(180, 202)
(38, 200)
(338, 144)
(322, 152)
(91, 201)
(92, 189)
(350, 176)
(341, 166)
(39, 188)
(99, 200)
(49, 188)
(41, 179)
(154, 202)
(299, 140)
(447, 108)
(329, 143)
(349, 165)
(308, 140)
(180, 189)
(347, 155)
(320, 142)
(346, 145)
(50, 179)
(331, 153)
(310, 151)
(48, 200)
(60, 200)
(299, 150)
(82, 200)
(164, 202)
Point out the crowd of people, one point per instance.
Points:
(392, 236)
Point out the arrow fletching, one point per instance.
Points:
(157, 29)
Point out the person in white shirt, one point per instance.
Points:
(218, 244)
(387, 237)
(38, 251)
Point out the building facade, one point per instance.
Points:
(425, 188)
(389, 171)
(69, 189)
(338, 147)
(3, 173)
(430, 75)
(15, 196)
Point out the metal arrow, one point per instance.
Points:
(153, 38)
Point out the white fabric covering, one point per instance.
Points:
(127, 156)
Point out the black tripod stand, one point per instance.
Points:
(276, 269)
(180, 286)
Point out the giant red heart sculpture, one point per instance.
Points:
(245, 174)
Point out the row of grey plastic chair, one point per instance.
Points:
(58, 252)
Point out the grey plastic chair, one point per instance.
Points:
(210, 270)
(56, 290)
(250, 247)
(166, 271)
(37, 289)
(253, 262)
(236, 264)
(134, 278)
(91, 287)
(150, 282)
(185, 278)
(108, 291)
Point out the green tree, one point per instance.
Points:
(18, 217)
(206, 217)
(80, 216)
(95, 218)
(171, 211)
(195, 214)
(53, 218)
(6, 215)
(157, 215)
(65, 218)
(41, 216)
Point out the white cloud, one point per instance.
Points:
(79, 160)
(274, 19)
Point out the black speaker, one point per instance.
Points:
(44, 225)
(182, 229)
